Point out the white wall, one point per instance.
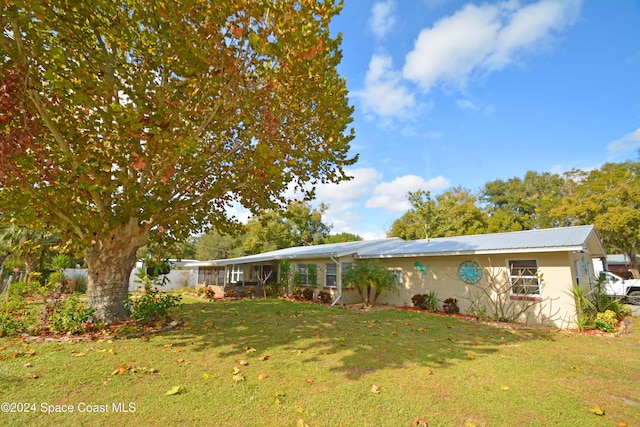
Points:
(178, 279)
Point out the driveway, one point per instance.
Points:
(635, 309)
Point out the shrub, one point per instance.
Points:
(606, 321)
(450, 305)
(418, 301)
(71, 316)
(621, 310)
(274, 289)
(428, 301)
(153, 305)
(307, 293)
(17, 317)
(23, 289)
(324, 297)
(209, 292)
(230, 293)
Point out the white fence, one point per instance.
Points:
(177, 278)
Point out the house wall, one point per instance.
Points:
(555, 307)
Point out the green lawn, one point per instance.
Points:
(279, 363)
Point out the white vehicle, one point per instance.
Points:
(616, 286)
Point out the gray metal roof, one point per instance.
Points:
(545, 240)
(579, 238)
(335, 250)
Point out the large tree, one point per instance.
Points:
(452, 213)
(123, 121)
(523, 204)
(609, 199)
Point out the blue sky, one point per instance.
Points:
(454, 93)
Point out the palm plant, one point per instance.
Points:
(364, 276)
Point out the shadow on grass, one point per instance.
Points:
(361, 342)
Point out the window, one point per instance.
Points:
(307, 274)
(220, 280)
(237, 273)
(260, 272)
(398, 275)
(524, 277)
(330, 275)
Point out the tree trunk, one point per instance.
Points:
(110, 262)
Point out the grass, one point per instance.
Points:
(280, 363)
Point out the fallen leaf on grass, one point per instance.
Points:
(598, 410)
(429, 372)
(174, 390)
(621, 424)
(238, 377)
(504, 388)
(178, 350)
(168, 345)
(471, 356)
(301, 423)
(263, 358)
(419, 422)
(27, 365)
(263, 376)
(249, 349)
(309, 381)
(121, 370)
(243, 362)
(179, 360)
(375, 389)
(279, 397)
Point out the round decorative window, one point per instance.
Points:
(470, 272)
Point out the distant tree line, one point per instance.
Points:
(607, 197)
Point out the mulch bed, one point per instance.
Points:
(109, 333)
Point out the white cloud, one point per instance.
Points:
(349, 194)
(382, 20)
(467, 104)
(384, 94)
(392, 196)
(239, 212)
(480, 39)
(628, 142)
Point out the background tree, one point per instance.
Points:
(298, 225)
(126, 121)
(342, 237)
(216, 245)
(452, 213)
(522, 204)
(609, 199)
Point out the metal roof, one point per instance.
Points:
(335, 250)
(578, 238)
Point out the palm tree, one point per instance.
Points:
(365, 275)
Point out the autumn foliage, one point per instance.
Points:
(122, 123)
